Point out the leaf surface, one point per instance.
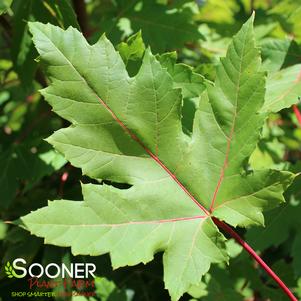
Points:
(21, 164)
(128, 130)
(191, 83)
(23, 52)
(283, 89)
(274, 53)
(164, 27)
(5, 5)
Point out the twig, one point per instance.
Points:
(256, 257)
(81, 12)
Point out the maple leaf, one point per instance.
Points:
(19, 163)
(57, 12)
(133, 49)
(282, 225)
(128, 130)
(283, 89)
(163, 26)
(190, 82)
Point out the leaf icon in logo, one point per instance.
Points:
(10, 272)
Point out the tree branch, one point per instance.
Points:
(81, 12)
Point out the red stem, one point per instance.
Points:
(256, 257)
(297, 113)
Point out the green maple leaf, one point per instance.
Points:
(283, 89)
(133, 49)
(57, 12)
(128, 130)
(191, 83)
(288, 13)
(19, 163)
(282, 225)
(275, 52)
(163, 26)
(5, 5)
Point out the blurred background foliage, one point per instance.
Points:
(181, 33)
